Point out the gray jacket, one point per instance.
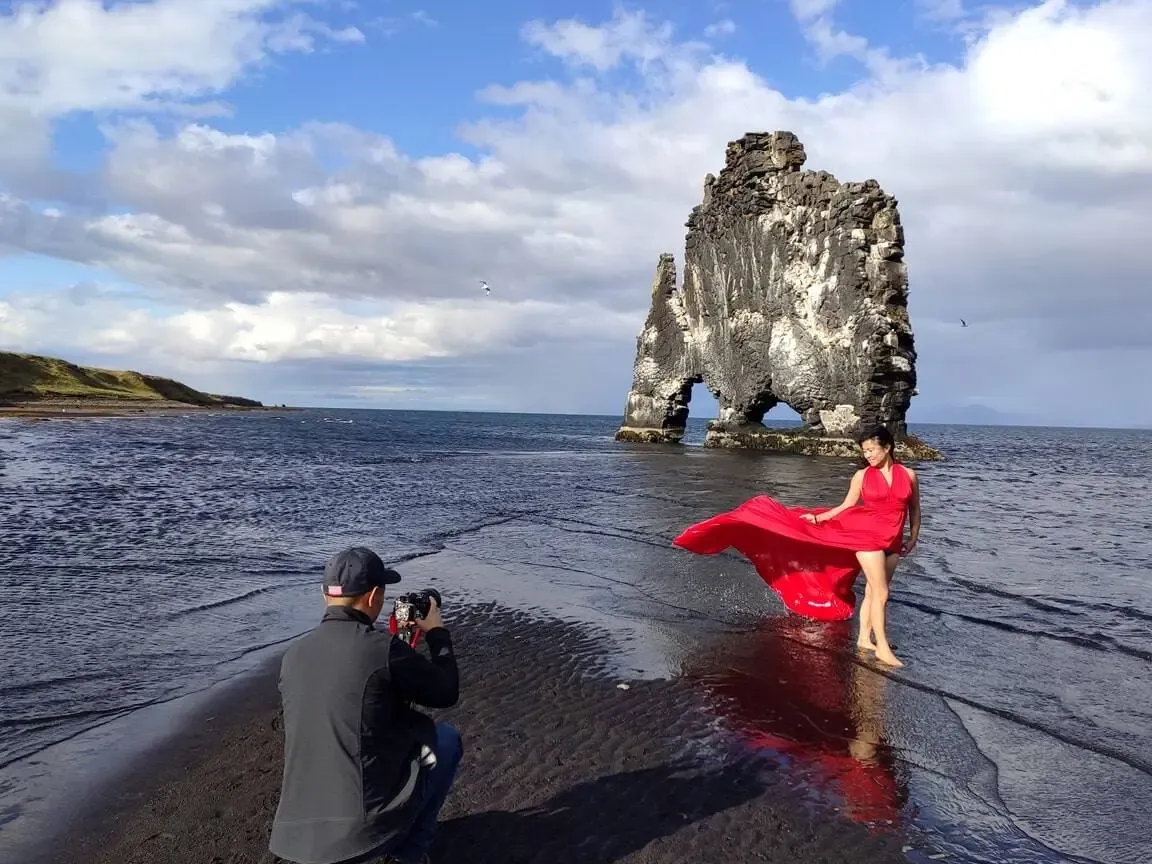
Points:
(351, 737)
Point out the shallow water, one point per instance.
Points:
(1019, 732)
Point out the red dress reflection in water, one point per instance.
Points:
(795, 690)
(811, 567)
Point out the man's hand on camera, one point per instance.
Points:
(432, 620)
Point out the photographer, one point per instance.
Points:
(365, 774)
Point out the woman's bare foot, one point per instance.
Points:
(888, 658)
(865, 643)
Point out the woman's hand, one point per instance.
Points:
(907, 547)
(809, 517)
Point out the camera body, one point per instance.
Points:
(407, 608)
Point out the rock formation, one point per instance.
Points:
(795, 290)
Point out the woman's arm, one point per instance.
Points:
(850, 500)
(913, 513)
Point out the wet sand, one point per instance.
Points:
(561, 765)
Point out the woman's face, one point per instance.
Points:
(874, 452)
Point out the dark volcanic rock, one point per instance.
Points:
(796, 291)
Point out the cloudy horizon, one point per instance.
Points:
(297, 200)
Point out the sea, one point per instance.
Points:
(145, 560)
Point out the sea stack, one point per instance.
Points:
(795, 290)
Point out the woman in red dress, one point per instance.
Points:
(812, 556)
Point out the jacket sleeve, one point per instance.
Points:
(432, 683)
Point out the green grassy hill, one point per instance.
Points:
(29, 378)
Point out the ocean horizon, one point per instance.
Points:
(695, 421)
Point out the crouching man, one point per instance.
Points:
(365, 774)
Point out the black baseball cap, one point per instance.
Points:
(356, 571)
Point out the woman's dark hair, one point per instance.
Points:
(880, 434)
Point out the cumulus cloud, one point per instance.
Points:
(296, 326)
(308, 350)
(1022, 174)
(630, 37)
(69, 56)
(73, 55)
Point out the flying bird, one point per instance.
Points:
(963, 323)
(487, 290)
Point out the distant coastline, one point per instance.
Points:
(49, 408)
(37, 387)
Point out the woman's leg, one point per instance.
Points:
(874, 565)
(864, 640)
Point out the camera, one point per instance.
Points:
(417, 604)
(407, 608)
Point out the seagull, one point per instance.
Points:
(963, 323)
(487, 290)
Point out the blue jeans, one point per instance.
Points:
(431, 793)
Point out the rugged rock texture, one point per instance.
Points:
(796, 291)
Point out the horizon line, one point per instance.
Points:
(1133, 428)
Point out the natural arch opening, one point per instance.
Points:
(698, 408)
(764, 408)
(781, 413)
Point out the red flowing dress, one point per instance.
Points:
(811, 567)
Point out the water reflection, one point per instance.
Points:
(794, 687)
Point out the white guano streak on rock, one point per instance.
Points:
(840, 420)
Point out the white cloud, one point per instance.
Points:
(68, 56)
(1022, 175)
(286, 326)
(724, 27)
(806, 10)
(628, 36)
(86, 55)
(816, 19)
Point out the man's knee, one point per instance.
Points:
(449, 744)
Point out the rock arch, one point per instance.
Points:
(795, 290)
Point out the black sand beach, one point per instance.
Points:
(561, 765)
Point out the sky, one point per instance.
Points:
(296, 200)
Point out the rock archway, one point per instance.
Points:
(795, 290)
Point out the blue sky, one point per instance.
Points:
(418, 75)
(165, 229)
